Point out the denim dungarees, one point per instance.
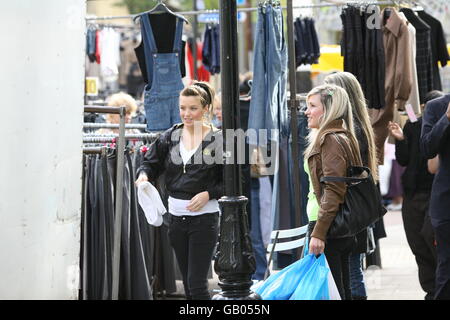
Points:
(161, 94)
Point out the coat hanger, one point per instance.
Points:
(161, 8)
(417, 6)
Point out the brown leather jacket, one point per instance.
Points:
(329, 158)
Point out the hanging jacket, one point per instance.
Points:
(185, 181)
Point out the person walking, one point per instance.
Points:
(194, 184)
(366, 140)
(417, 183)
(435, 140)
(330, 119)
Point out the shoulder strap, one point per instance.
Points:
(345, 179)
(345, 148)
(342, 179)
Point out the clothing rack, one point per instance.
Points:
(94, 150)
(119, 194)
(311, 6)
(113, 138)
(91, 125)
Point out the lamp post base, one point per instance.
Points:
(235, 262)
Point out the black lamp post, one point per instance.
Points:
(234, 261)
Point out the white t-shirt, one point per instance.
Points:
(177, 207)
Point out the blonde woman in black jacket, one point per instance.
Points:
(190, 156)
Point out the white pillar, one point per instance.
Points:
(42, 89)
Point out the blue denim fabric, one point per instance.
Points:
(206, 49)
(357, 284)
(283, 207)
(268, 108)
(216, 49)
(161, 95)
(211, 49)
(276, 70)
(257, 112)
(259, 249)
(90, 44)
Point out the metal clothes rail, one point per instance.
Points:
(114, 125)
(311, 6)
(113, 138)
(119, 194)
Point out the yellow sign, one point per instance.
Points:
(330, 59)
(91, 86)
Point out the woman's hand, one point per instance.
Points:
(396, 131)
(316, 246)
(142, 178)
(198, 201)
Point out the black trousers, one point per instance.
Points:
(420, 236)
(337, 252)
(442, 233)
(194, 239)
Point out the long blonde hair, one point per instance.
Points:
(351, 85)
(336, 106)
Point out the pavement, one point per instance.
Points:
(397, 279)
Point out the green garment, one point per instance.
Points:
(312, 208)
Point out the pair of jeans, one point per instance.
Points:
(194, 239)
(259, 249)
(268, 106)
(337, 252)
(211, 49)
(161, 96)
(357, 285)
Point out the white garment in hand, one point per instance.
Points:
(151, 203)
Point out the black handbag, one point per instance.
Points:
(362, 203)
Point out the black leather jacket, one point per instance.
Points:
(199, 174)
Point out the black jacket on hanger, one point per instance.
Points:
(424, 62)
(438, 47)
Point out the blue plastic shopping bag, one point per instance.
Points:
(281, 285)
(314, 283)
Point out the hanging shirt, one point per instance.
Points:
(398, 77)
(98, 49)
(424, 60)
(414, 96)
(438, 47)
(110, 55)
(202, 73)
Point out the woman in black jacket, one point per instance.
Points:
(189, 154)
(417, 185)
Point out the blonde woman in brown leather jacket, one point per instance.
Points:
(330, 119)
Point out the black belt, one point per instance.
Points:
(181, 195)
(190, 218)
